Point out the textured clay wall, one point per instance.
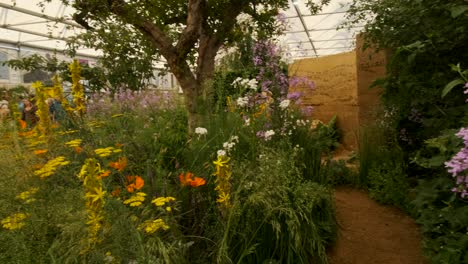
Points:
(336, 92)
(371, 65)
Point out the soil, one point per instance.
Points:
(371, 233)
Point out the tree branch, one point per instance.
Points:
(210, 43)
(191, 32)
(158, 37)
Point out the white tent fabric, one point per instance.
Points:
(318, 35)
(24, 23)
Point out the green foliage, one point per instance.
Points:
(459, 81)
(422, 47)
(270, 222)
(437, 151)
(315, 145)
(388, 184)
(443, 220)
(297, 215)
(339, 172)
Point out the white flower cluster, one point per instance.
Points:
(201, 131)
(243, 101)
(269, 134)
(284, 104)
(251, 84)
(228, 146)
(301, 122)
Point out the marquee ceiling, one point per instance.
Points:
(25, 24)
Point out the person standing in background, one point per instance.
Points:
(29, 113)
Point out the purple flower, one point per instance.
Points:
(294, 95)
(307, 111)
(260, 134)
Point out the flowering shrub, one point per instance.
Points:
(458, 165)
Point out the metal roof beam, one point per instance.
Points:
(298, 11)
(322, 49)
(320, 14)
(321, 29)
(27, 23)
(33, 33)
(18, 46)
(40, 15)
(320, 40)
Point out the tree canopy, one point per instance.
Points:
(187, 34)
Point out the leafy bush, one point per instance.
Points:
(443, 218)
(271, 220)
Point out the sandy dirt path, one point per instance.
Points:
(370, 233)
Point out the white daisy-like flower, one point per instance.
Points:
(269, 134)
(242, 101)
(201, 131)
(284, 104)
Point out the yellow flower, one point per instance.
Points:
(94, 219)
(160, 201)
(96, 124)
(151, 226)
(68, 132)
(221, 161)
(14, 221)
(117, 115)
(169, 209)
(224, 198)
(98, 195)
(25, 196)
(51, 166)
(74, 143)
(136, 200)
(105, 152)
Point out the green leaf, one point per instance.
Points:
(450, 86)
(458, 10)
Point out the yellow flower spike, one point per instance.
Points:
(94, 196)
(77, 88)
(222, 161)
(223, 186)
(169, 209)
(44, 124)
(98, 195)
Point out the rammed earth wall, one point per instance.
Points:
(342, 88)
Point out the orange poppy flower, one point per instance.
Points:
(116, 192)
(23, 124)
(78, 149)
(120, 164)
(197, 182)
(104, 174)
(119, 145)
(40, 151)
(189, 180)
(134, 183)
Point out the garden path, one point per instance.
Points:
(371, 233)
